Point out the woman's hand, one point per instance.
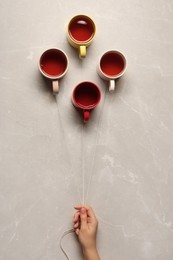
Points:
(85, 225)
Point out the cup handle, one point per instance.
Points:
(111, 85)
(82, 51)
(55, 87)
(86, 115)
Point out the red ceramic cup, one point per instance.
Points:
(86, 96)
(112, 65)
(53, 64)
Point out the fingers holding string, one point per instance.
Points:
(76, 217)
(76, 222)
(90, 213)
(88, 208)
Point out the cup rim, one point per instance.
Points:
(119, 74)
(53, 76)
(90, 106)
(70, 35)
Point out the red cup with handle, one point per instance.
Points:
(86, 96)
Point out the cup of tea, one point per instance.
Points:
(53, 64)
(80, 33)
(112, 65)
(86, 96)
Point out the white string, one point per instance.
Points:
(71, 167)
(83, 164)
(83, 153)
(65, 142)
(96, 145)
(61, 239)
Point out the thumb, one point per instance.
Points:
(83, 217)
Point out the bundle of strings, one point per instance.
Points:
(82, 169)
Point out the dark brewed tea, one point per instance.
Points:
(112, 64)
(81, 28)
(86, 95)
(53, 62)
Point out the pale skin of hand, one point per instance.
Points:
(85, 225)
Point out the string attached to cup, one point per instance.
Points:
(83, 164)
(81, 198)
(83, 147)
(69, 231)
(55, 54)
(95, 150)
(50, 75)
(66, 145)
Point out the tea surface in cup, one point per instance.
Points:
(86, 95)
(81, 28)
(53, 63)
(112, 64)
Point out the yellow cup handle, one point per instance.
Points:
(82, 51)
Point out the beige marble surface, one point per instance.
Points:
(126, 146)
